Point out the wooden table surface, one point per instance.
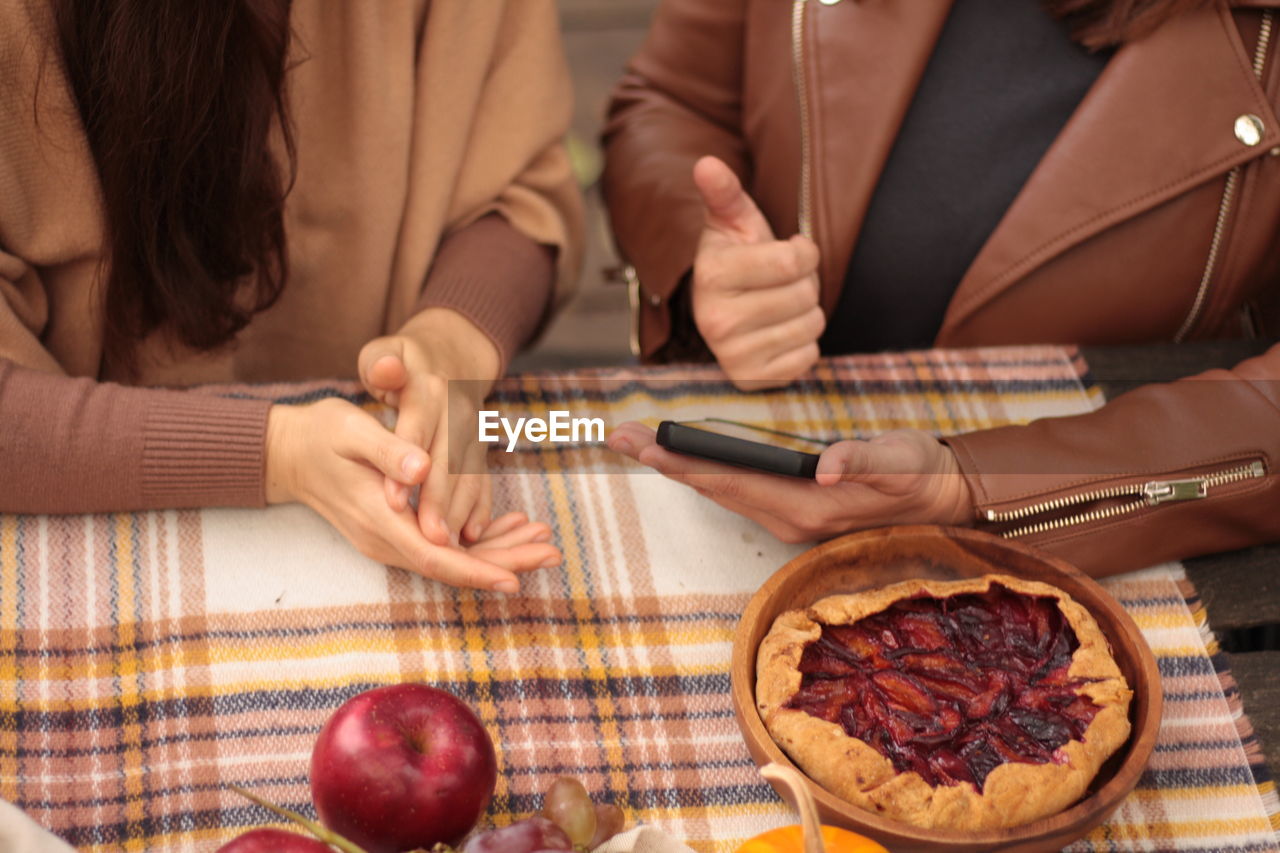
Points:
(1241, 589)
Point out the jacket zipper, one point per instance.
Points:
(1228, 198)
(1142, 495)
(802, 94)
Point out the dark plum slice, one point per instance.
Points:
(904, 692)
(951, 688)
(950, 768)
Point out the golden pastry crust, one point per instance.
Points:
(1014, 792)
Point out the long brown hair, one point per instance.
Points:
(1100, 24)
(180, 101)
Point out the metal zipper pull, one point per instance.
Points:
(1158, 492)
(1194, 488)
(1138, 496)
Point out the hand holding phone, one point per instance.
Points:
(902, 477)
(744, 445)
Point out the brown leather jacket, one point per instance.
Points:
(1154, 216)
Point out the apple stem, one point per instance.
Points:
(328, 836)
(791, 779)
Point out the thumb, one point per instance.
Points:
(382, 368)
(727, 203)
(865, 460)
(844, 459)
(365, 440)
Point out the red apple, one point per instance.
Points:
(274, 841)
(402, 767)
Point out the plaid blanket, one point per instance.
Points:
(147, 660)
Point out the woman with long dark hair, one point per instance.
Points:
(832, 176)
(258, 190)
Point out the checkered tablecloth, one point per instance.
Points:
(147, 660)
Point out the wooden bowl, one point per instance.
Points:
(877, 558)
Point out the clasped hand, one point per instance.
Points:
(360, 476)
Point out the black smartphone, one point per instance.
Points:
(744, 445)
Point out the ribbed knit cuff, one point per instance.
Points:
(496, 277)
(204, 451)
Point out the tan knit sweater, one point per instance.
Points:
(430, 171)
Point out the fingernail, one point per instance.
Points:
(509, 586)
(449, 534)
(412, 465)
(550, 563)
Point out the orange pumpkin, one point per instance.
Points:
(808, 837)
(790, 839)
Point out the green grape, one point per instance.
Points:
(609, 822)
(568, 804)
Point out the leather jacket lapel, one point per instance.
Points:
(1159, 120)
(883, 49)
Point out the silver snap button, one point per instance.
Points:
(1249, 129)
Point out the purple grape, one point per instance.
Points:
(530, 835)
(609, 822)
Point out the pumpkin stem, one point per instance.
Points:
(791, 779)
